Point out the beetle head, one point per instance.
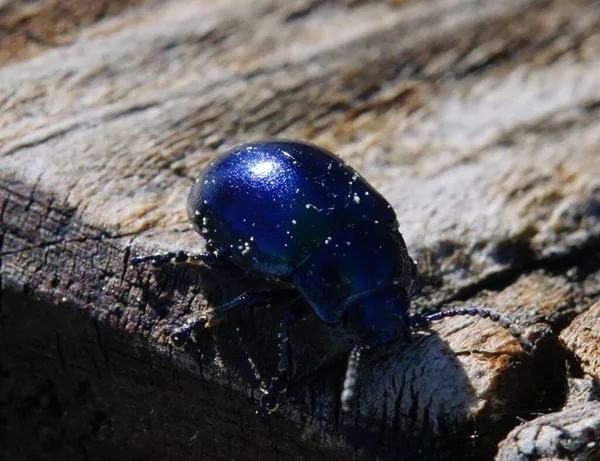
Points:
(379, 316)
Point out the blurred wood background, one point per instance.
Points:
(478, 120)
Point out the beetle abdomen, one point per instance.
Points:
(269, 206)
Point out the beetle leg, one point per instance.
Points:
(246, 300)
(268, 402)
(178, 257)
(278, 385)
(286, 364)
(505, 322)
(180, 337)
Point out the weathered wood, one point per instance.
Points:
(477, 120)
(573, 433)
(28, 28)
(582, 338)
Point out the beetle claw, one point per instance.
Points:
(268, 401)
(180, 337)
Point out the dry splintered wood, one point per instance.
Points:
(478, 121)
(582, 338)
(573, 433)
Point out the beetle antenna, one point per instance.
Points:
(503, 321)
(351, 375)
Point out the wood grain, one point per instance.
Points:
(570, 434)
(477, 120)
(582, 338)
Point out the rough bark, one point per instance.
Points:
(582, 338)
(477, 120)
(572, 433)
(569, 434)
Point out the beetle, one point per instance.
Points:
(293, 211)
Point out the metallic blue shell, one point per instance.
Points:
(268, 206)
(345, 274)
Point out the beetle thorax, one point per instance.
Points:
(361, 275)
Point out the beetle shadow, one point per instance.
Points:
(412, 399)
(426, 400)
(242, 347)
(421, 403)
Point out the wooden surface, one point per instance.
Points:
(478, 121)
(571, 433)
(582, 338)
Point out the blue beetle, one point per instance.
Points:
(293, 211)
